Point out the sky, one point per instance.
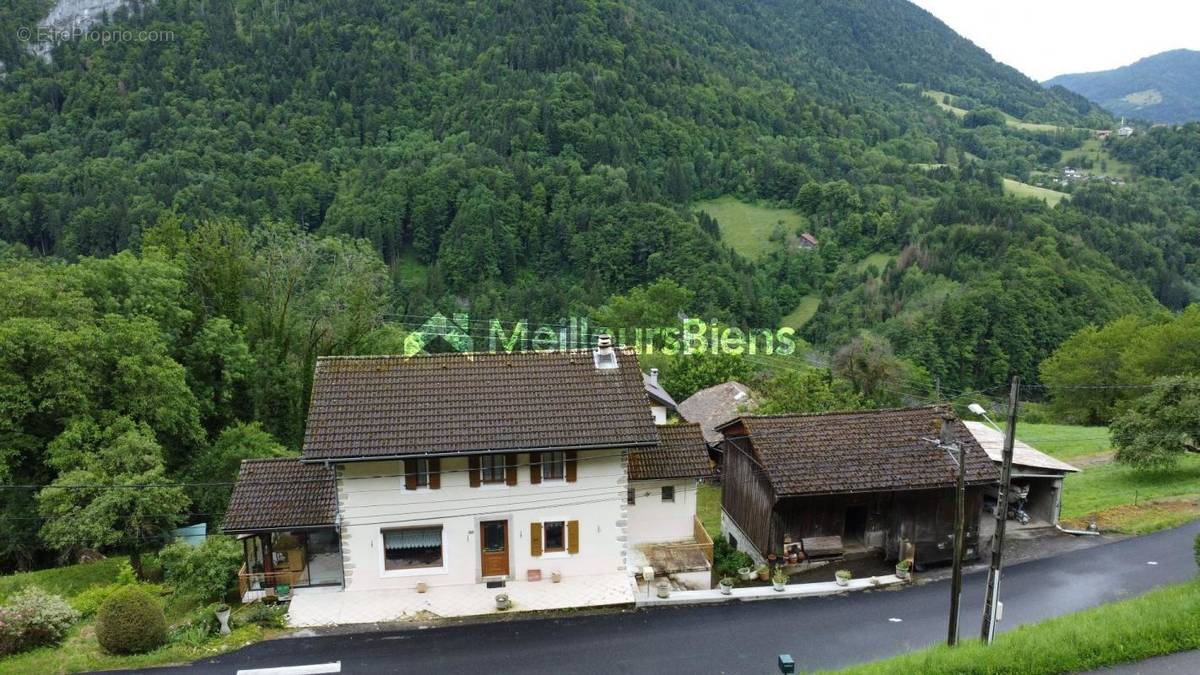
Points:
(1044, 38)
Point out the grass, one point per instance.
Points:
(1019, 189)
(1093, 149)
(1163, 621)
(938, 96)
(803, 312)
(748, 227)
(1120, 498)
(708, 509)
(879, 260)
(81, 652)
(65, 581)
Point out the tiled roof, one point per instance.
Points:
(444, 404)
(681, 453)
(717, 404)
(655, 391)
(280, 493)
(869, 451)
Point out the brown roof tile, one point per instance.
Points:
(281, 493)
(715, 405)
(456, 403)
(870, 451)
(681, 453)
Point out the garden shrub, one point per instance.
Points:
(260, 615)
(88, 602)
(207, 571)
(130, 622)
(199, 625)
(33, 618)
(727, 560)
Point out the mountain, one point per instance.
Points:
(1160, 88)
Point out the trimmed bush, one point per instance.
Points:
(130, 622)
(207, 571)
(33, 618)
(88, 602)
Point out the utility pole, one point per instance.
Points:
(960, 517)
(992, 598)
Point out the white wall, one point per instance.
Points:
(369, 504)
(660, 414)
(653, 520)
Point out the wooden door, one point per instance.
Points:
(493, 548)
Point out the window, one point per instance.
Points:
(668, 493)
(491, 469)
(554, 465)
(422, 473)
(554, 536)
(630, 495)
(412, 548)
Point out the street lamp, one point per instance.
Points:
(991, 599)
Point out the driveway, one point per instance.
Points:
(819, 633)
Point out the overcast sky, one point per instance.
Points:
(1044, 38)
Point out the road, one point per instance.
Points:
(819, 633)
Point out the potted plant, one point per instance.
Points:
(556, 576)
(764, 572)
(664, 589)
(502, 602)
(726, 585)
(747, 573)
(223, 618)
(779, 579)
(842, 577)
(902, 570)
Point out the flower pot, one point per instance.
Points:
(779, 585)
(664, 589)
(842, 581)
(502, 602)
(223, 618)
(422, 587)
(771, 558)
(556, 576)
(902, 574)
(764, 574)
(747, 573)
(793, 558)
(726, 589)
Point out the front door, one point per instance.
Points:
(493, 548)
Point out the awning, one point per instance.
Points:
(400, 540)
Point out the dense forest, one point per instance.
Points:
(190, 222)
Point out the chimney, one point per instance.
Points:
(654, 376)
(604, 356)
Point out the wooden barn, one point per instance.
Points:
(838, 483)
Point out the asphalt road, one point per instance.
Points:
(743, 637)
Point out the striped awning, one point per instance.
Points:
(400, 540)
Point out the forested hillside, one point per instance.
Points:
(191, 222)
(1160, 88)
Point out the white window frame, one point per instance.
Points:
(412, 571)
(503, 471)
(545, 462)
(425, 472)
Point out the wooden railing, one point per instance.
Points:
(702, 538)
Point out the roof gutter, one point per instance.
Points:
(469, 453)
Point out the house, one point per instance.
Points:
(807, 241)
(467, 472)
(832, 484)
(1103, 134)
(661, 403)
(714, 405)
(1125, 131)
(1037, 480)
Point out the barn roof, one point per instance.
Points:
(681, 453)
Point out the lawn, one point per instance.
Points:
(1163, 621)
(879, 260)
(1019, 189)
(748, 227)
(803, 312)
(1120, 498)
(938, 96)
(708, 508)
(81, 652)
(1093, 149)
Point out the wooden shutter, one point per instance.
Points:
(535, 467)
(570, 468)
(410, 474)
(535, 539)
(572, 536)
(510, 469)
(435, 474)
(473, 470)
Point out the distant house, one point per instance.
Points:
(1125, 131)
(468, 471)
(716, 405)
(1103, 134)
(830, 484)
(807, 241)
(1037, 478)
(661, 403)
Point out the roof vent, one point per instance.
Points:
(654, 376)
(604, 356)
